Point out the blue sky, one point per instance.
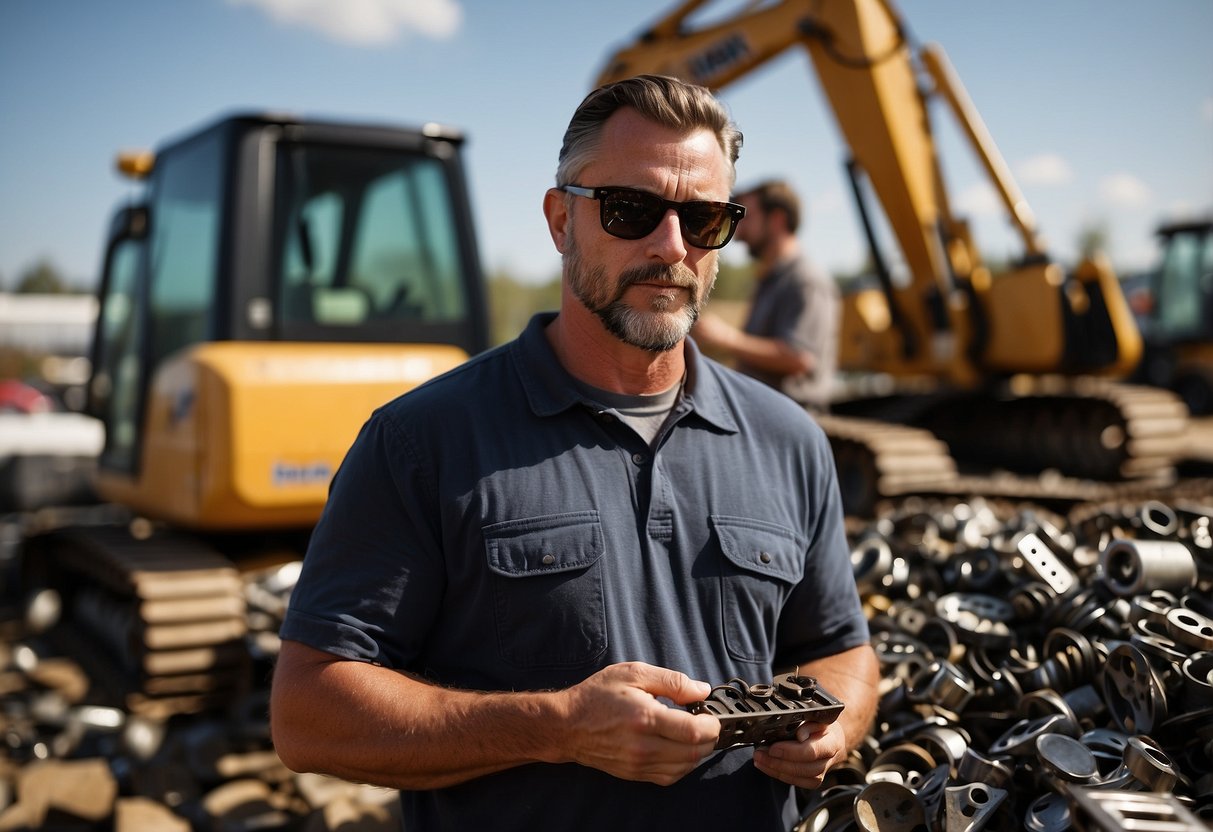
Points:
(1102, 108)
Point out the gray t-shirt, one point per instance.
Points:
(798, 303)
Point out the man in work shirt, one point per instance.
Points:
(790, 338)
(528, 567)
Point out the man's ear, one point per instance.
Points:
(556, 210)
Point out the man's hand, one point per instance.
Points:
(804, 762)
(615, 723)
(852, 677)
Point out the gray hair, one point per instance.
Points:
(659, 98)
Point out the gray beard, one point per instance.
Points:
(657, 329)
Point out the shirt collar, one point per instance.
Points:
(550, 389)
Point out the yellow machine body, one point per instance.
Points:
(246, 435)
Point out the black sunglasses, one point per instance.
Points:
(631, 214)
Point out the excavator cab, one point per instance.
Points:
(1179, 325)
(279, 279)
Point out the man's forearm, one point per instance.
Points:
(853, 677)
(773, 355)
(370, 724)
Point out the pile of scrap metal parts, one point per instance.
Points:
(1040, 671)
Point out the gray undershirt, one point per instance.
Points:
(644, 414)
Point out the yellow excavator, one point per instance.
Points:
(276, 280)
(1014, 370)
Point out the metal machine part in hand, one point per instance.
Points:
(754, 714)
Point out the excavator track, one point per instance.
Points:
(158, 621)
(1086, 428)
(877, 459)
(1075, 440)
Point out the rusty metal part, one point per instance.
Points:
(1020, 739)
(1133, 690)
(1107, 746)
(1048, 813)
(1066, 758)
(1153, 606)
(884, 806)
(750, 714)
(1082, 705)
(1149, 764)
(942, 684)
(969, 807)
(979, 619)
(975, 767)
(946, 743)
(1197, 681)
(1087, 687)
(1071, 660)
(832, 810)
(905, 763)
(1190, 628)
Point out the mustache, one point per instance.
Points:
(672, 274)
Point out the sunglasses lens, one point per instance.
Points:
(631, 214)
(706, 224)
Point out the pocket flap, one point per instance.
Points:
(762, 547)
(543, 545)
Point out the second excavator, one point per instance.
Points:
(1015, 370)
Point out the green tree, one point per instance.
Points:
(513, 302)
(734, 282)
(41, 278)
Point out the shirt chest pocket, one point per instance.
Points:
(548, 589)
(762, 563)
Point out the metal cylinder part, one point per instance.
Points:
(1136, 567)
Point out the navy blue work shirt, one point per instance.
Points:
(493, 530)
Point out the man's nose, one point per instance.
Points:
(665, 241)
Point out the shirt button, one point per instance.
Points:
(548, 559)
(639, 459)
(765, 557)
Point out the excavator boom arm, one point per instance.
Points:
(865, 67)
(952, 318)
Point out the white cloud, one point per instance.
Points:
(365, 22)
(1045, 169)
(979, 200)
(1125, 190)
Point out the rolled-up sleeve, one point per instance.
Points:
(372, 572)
